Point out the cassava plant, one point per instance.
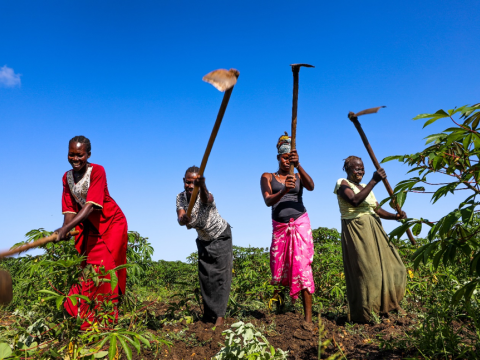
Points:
(244, 341)
(453, 154)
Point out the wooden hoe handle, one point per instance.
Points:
(216, 127)
(377, 166)
(294, 114)
(33, 244)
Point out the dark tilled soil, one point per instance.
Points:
(285, 331)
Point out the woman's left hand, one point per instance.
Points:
(403, 215)
(200, 182)
(293, 158)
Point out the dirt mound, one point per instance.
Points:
(288, 331)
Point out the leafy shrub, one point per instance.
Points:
(454, 154)
(327, 267)
(246, 342)
(443, 291)
(38, 325)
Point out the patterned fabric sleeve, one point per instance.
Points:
(181, 204)
(68, 203)
(96, 191)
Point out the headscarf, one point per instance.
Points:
(284, 144)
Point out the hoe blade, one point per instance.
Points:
(369, 111)
(222, 79)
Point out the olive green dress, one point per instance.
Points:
(374, 272)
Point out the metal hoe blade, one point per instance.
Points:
(222, 79)
(365, 112)
(299, 65)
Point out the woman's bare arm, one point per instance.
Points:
(306, 180)
(389, 216)
(304, 177)
(269, 198)
(72, 220)
(346, 192)
(182, 217)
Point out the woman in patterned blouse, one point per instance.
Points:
(214, 243)
(88, 207)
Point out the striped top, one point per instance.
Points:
(349, 211)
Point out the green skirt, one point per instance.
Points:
(374, 272)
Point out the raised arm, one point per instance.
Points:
(356, 199)
(265, 184)
(205, 196)
(304, 177)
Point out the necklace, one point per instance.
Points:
(277, 175)
(356, 183)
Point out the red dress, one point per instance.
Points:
(103, 238)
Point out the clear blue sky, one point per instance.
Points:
(128, 76)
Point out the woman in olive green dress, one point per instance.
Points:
(374, 272)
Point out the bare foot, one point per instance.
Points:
(220, 321)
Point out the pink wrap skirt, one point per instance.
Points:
(291, 255)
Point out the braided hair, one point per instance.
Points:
(82, 140)
(348, 162)
(192, 170)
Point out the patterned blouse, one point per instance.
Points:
(80, 189)
(349, 211)
(205, 218)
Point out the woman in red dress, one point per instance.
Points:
(88, 207)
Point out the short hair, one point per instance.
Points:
(82, 140)
(192, 169)
(348, 162)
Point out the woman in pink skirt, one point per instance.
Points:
(291, 253)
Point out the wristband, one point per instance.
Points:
(298, 165)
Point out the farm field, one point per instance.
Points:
(162, 311)
(160, 315)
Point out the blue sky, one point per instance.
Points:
(128, 76)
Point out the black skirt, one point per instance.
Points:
(215, 261)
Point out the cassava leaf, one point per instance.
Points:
(417, 228)
(390, 158)
(112, 349)
(5, 351)
(401, 197)
(126, 348)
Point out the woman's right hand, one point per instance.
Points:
(379, 175)
(62, 234)
(290, 183)
(185, 219)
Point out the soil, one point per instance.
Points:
(287, 331)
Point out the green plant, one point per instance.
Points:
(245, 342)
(323, 344)
(454, 154)
(39, 327)
(327, 268)
(443, 292)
